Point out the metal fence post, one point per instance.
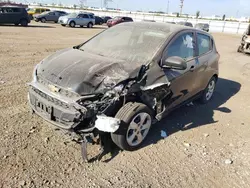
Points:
(238, 27)
(223, 27)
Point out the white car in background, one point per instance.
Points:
(81, 19)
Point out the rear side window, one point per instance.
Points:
(204, 43)
(10, 10)
(91, 16)
(128, 19)
(182, 46)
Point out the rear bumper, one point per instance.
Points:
(61, 113)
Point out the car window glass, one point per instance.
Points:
(52, 13)
(183, 47)
(85, 16)
(37, 11)
(91, 16)
(204, 43)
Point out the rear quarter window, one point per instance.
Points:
(204, 43)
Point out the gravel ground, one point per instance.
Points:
(206, 145)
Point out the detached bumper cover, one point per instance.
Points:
(54, 109)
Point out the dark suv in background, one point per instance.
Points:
(117, 20)
(14, 15)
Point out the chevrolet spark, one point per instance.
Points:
(123, 80)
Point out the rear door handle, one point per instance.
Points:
(192, 68)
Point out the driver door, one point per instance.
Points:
(182, 81)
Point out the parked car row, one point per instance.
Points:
(18, 15)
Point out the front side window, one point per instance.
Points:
(204, 43)
(183, 47)
(85, 16)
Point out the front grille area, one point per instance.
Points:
(50, 99)
(62, 91)
(55, 111)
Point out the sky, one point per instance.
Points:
(235, 8)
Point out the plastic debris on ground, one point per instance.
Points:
(163, 134)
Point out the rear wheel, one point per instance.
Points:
(24, 23)
(72, 24)
(90, 25)
(136, 120)
(209, 91)
(43, 20)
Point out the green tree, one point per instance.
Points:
(224, 17)
(198, 14)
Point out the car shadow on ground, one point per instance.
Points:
(29, 26)
(194, 116)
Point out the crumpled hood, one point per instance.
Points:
(83, 72)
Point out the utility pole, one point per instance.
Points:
(168, 7)
(181, 6)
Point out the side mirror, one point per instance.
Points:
(174, 62)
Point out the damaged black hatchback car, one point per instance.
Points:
(123, 80)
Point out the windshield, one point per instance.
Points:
(72, 15)
(31, 9)
(127, 42)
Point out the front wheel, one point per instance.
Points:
(240, 49)
(43, 20)
(209, 91)
(72, 24)
(136, 120)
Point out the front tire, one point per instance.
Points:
(240, 49)
(209, 91)
(72, 24)
(136, 120)
(43, 20)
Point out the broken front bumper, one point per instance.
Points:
(66, 113)
(56, 109)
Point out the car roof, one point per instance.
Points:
(167, 27)
(11, 7)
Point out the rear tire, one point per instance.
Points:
(136, 120)
(24, 23)
(209, 91)
(90, 25)
(72, 24)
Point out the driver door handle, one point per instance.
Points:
(192, 68)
